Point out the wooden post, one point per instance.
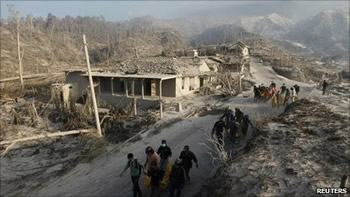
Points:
(126, 87)
(19, 55)
(98, 126)
(160, 89)
(99, 85)
(112, 88)
(133, 87)
(160, 100)
(135, 107)
(161, 109)
(142, 89)
(108, 46)
(240, 77)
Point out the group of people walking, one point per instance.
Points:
(234, 123)
(158, 169)
(278, 97)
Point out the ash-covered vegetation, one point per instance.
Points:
(294, 153)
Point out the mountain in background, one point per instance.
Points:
(199, 21)
(221, 34)
(270, 25)
(327, 32)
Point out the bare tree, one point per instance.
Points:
(217, 151)
(16, 16)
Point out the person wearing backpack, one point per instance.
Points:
(135, 172)
(177, 179)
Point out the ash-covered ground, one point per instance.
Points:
(304, 148)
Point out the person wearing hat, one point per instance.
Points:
(151, 157)
(164, 152)
(187, 157)
(135, 172)
(177, 178)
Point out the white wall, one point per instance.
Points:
(204, 67)
(186, 91)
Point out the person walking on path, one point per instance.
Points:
(292, 90)
(135, 172)
(177, 179)
(283, 88)
(239, 115)
(324, 87)
(151, 157)
(155, 175)
(164, 152)
(228, 115)
(187, 157)
(297, 89)
(233, 130)
(245, 124)
(218, 131)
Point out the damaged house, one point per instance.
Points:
(145, 78)
(237, 56)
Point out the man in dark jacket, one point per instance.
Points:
(245, 124)
(233, 130)
(228, 115)
(324, 87)
(177, 178)
(239, 115)
(164, 153)
(218, 131)
(297, 88)
(187, 157)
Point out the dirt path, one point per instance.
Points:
(101, 176)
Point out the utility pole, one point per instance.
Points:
(19, 55)
(98, 126)
(108, 50)
(16, 16)
(240, 75)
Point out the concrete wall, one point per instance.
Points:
(245, 52)
(79, 84)
(188, 81)
(204, 67)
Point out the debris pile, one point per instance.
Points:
(119, 125)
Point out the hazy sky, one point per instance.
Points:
(111, 10)
(119, 10)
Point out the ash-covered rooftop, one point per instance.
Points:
(159, 65)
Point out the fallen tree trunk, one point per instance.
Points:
(58, 134)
